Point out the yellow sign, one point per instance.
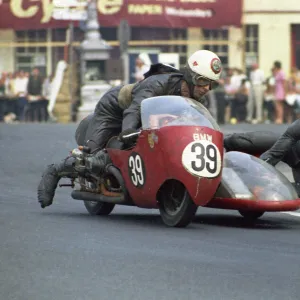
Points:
(18, 10)
(109, 7)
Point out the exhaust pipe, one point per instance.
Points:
(117, 174)
(87, 196)
(124, 199)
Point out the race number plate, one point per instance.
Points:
(136, 168)
(202, 158)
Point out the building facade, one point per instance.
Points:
(270, 31)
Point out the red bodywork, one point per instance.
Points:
(161, 151)
(254, 205)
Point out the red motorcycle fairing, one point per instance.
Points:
(193, 156)
(190, 154)
(142, 169)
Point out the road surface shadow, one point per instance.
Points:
(154, 220)
(240, 222)
(117, 218)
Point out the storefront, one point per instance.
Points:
(277, 35)
(29, 36)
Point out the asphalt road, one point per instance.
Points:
(63, 253)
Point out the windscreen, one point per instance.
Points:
(262, 180)
(161, 111)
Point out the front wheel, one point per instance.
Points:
(251, 215)
(98, 208)
(175, 204)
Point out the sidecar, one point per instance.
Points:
(277, 193)
(253, 187)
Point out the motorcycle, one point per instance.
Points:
(177, 164)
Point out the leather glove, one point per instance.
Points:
(129, 136)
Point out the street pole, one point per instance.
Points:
(125, 61)
(71, 59)
(124, 34)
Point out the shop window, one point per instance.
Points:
(31, 56)
(179, 34)
(251, 45)
(163, 34)
(295, 61)
(217, 43)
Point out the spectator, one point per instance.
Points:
(269, 98)
(43, 109)
(20, 90)
(142, 65)
(221, 102)
(280, 94)
(239, 104)
(237, 81)
(10, 94)
(256, 95)
(229, 94)
(2, 96)
(35, 85)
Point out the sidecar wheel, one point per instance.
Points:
(175, 204)
(251, 215)
(98, 208)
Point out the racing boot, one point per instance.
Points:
(97, 163)
(51, 177)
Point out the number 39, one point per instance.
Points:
(136, 170)
(206, 157)
(202, 158)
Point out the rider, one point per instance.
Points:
(287, 149)
(119, 111)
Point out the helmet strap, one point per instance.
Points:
(189, 80)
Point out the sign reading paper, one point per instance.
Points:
(210, 14)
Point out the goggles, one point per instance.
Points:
(199, 80)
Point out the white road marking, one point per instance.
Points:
(292, 213)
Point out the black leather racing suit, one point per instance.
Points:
(287, 149)
(286, 143)
(109, 119)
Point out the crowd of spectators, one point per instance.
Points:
(253, 98)
(24, 97)
(257, 97)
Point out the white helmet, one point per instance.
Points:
(204, 63)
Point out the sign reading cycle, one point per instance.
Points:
(28, 14)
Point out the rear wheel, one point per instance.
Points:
(98, 208)
(175, 204)
(251, 215)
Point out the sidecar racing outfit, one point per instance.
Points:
(119, 111)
